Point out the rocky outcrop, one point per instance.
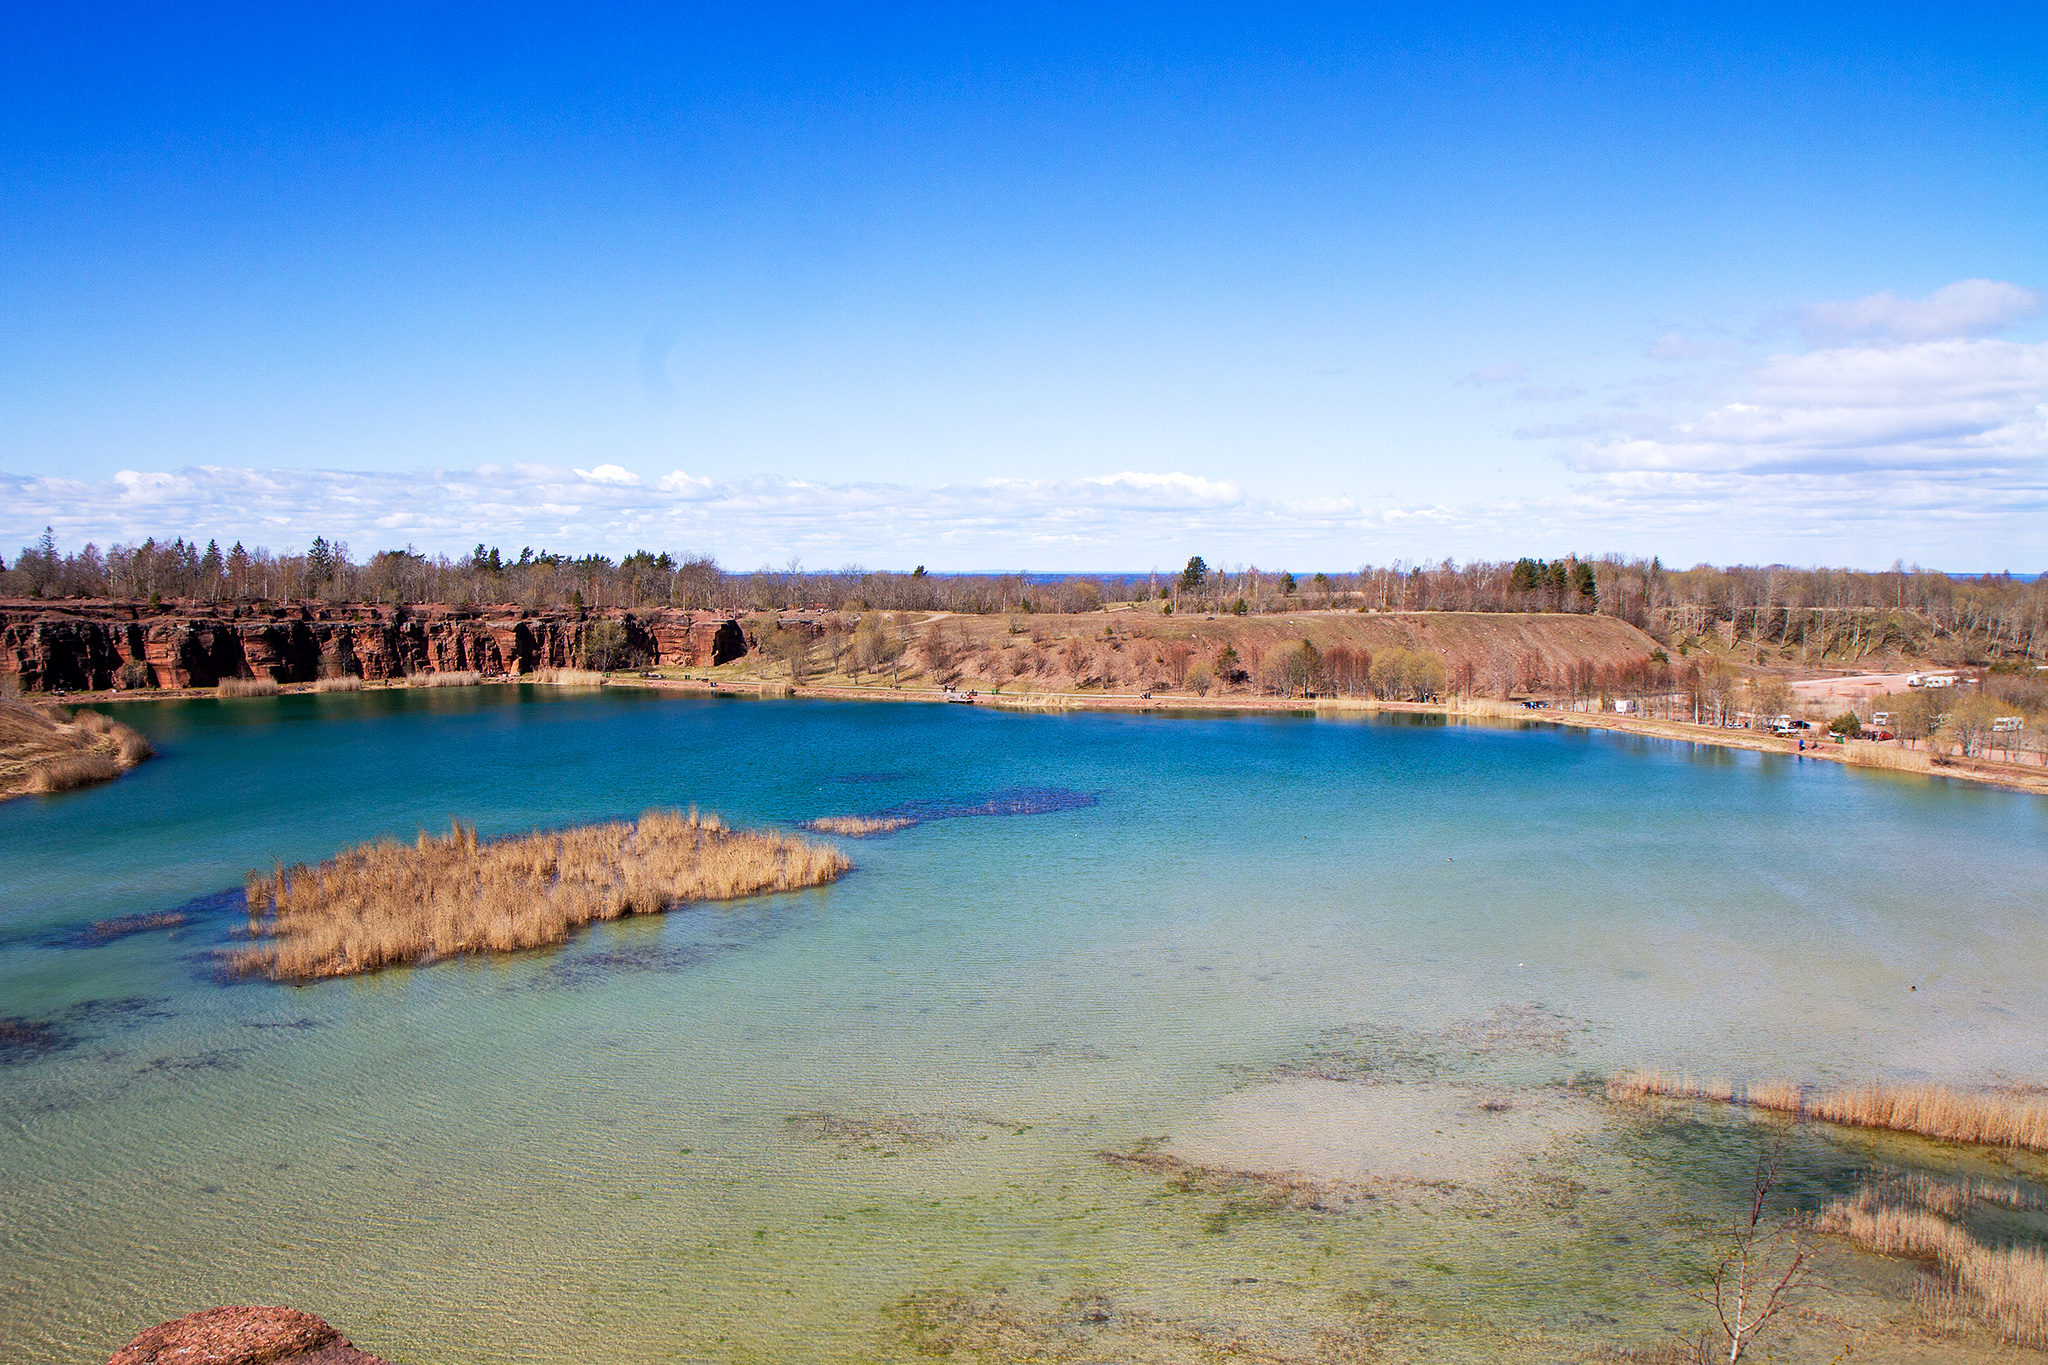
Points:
(87, 645)
(243, 1336)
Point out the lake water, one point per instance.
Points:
(868, 1122)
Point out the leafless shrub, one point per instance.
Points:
(1763, 1273)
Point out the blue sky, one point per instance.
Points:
(1032, 288)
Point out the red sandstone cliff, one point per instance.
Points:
(86, 645)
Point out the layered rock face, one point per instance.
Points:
(79, 646)
(243, 1336)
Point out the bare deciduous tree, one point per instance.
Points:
(1765, 1267)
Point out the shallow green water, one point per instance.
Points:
(589, 1153)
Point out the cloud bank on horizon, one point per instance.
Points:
(1915, 405)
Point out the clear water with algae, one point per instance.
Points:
(870, 1122)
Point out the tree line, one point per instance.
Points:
(1814, 610)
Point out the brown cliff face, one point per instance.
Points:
(243, 1336)
(89, 645)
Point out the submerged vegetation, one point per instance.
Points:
(383, 904)
(1990, 1118)
(858, 826)
(905, 814)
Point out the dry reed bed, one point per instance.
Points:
(347, 683)
(246, 687)
(1865, 753)
(1990, 1118)
(46, 749)
(383, 904)
(468, 678)
(2007, 1285)
(566, 677)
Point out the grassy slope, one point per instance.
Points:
(46, 748)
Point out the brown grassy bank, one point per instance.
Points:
(49, 749)
(383, 904)
(1988, 1118)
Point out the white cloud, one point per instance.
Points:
(1967, 308)
(1112, 520)
(687, 485)
(1674, 346)
(1942, 405)
(1176, 488)
(1933, 449)
(609, 473)
(1645, 492)
(1495, 374)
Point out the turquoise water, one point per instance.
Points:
(864, 1122)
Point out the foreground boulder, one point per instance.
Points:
(243, 1336)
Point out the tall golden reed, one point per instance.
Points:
(1865, 753)
(382, 904)
(1636, 1085)
(1992, 1118)
(2007, 1285)
(246, 687)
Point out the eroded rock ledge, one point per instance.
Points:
(243, 1336)
(85, 645)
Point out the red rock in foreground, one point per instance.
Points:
(243, 1336)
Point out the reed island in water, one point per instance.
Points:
(386, 903)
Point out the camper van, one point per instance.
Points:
(1930, 680)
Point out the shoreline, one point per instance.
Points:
(1916, 762)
